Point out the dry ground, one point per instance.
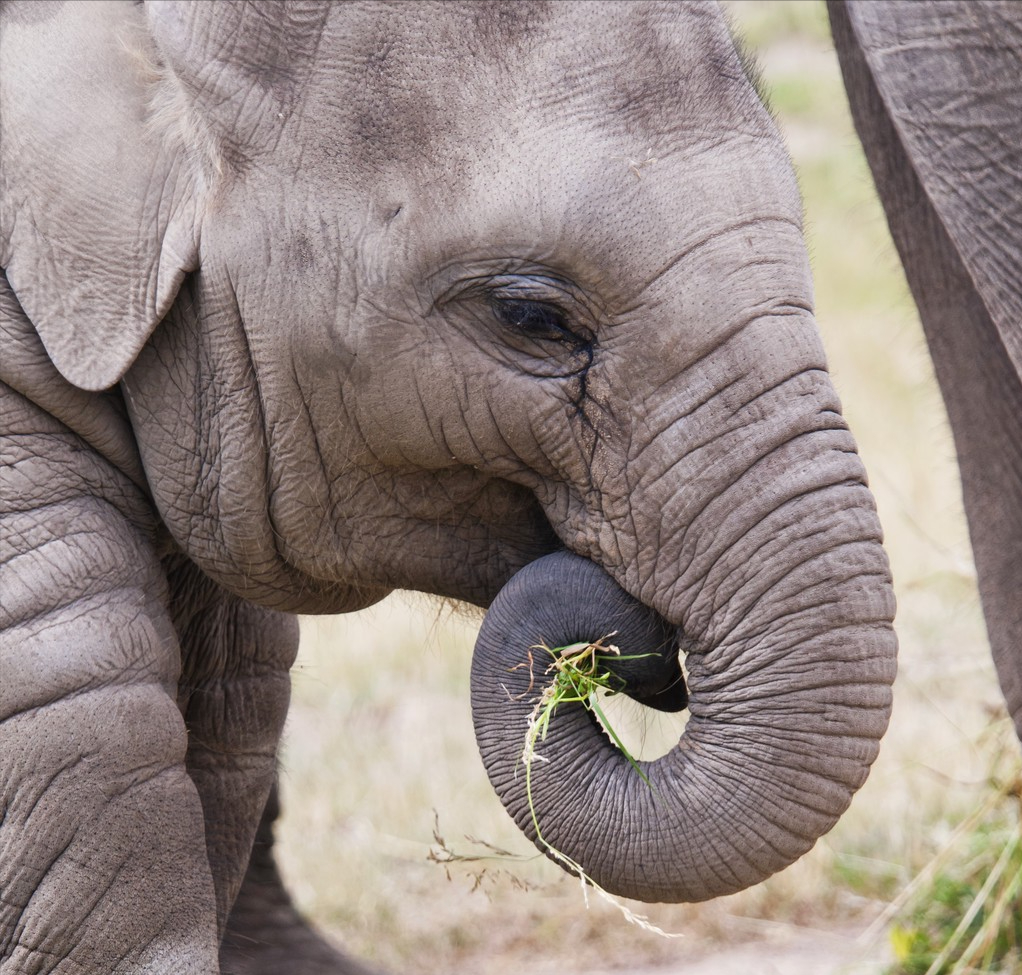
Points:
(379, 745)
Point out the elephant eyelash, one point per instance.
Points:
(536, 319)
(535, 312)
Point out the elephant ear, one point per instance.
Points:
(948, 74)
(98, 209)
(241, 61)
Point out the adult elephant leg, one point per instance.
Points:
(905, 68)
(102, 862)
(265, 933)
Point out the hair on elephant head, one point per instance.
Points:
(309, 302)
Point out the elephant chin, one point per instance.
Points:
(733, 802)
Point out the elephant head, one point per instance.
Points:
(412, 296)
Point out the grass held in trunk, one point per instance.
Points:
(576, 674)
(579, 671)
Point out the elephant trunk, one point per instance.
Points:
(790, 656)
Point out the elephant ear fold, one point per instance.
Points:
(948, 74)
(242, 62)
(98, 210)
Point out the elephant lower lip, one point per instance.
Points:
(562, 599)
(570, 598)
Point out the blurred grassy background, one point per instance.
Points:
(380, 733)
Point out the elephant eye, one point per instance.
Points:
(537, 319)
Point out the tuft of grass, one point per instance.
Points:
(962, 914)
(579, 672)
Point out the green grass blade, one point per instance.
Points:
(594, 704)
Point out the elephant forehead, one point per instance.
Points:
(584, 137)
(392, 84)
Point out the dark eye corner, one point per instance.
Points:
(536, 319)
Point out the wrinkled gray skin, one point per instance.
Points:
(936, 95)
(305, 303)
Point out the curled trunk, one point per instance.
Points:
(788, 704)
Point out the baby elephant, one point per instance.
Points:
(305, 302)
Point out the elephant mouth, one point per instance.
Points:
(650, 671)
(671, 698)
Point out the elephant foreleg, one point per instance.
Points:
(265, 933)
(234, 694)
